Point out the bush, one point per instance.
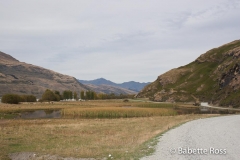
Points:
(28, 98)
(15, 99)
(40, 100)
(11, 98)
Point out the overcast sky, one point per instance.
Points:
(120, 40)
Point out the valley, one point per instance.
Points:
(119, 80)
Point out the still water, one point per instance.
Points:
(40, 114)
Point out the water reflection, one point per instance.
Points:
(40, 114)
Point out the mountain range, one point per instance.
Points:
(130, 87)
(213, 77)
(22, 78)
(109, 89)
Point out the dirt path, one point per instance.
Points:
(211, 138)
(36, 156)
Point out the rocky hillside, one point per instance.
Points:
(108, 89)
(212, 77)
(22, 78)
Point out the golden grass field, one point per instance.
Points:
(91, 137)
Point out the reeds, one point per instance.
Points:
(116, 112)
(156, 105)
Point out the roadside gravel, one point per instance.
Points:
(36, 156)
(211, 138)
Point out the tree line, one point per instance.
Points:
(50, 95)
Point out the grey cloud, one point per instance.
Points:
(119, 40)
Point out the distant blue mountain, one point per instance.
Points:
(131, 85)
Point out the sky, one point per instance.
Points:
(120, 40)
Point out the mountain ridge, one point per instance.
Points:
(7, 58)
(213, 77)
(109, 89)
(22, 78)
(131, 85)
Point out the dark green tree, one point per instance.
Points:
(67, 94)
(82, 95)
(75, 95)
(58, 95)
(48, 95)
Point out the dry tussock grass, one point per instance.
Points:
(116, 112)
(84, 137)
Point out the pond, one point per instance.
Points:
(32, 114)
(40, 114)
(51, 114)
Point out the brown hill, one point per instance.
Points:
(22, 78)
(213, 77)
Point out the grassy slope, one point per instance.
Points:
(200, 73)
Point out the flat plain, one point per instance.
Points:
(110, 129)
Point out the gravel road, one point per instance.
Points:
(211, 138)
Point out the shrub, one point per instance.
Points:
(28, 98)
(11, 98)
(40, 100)
(15, 98)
